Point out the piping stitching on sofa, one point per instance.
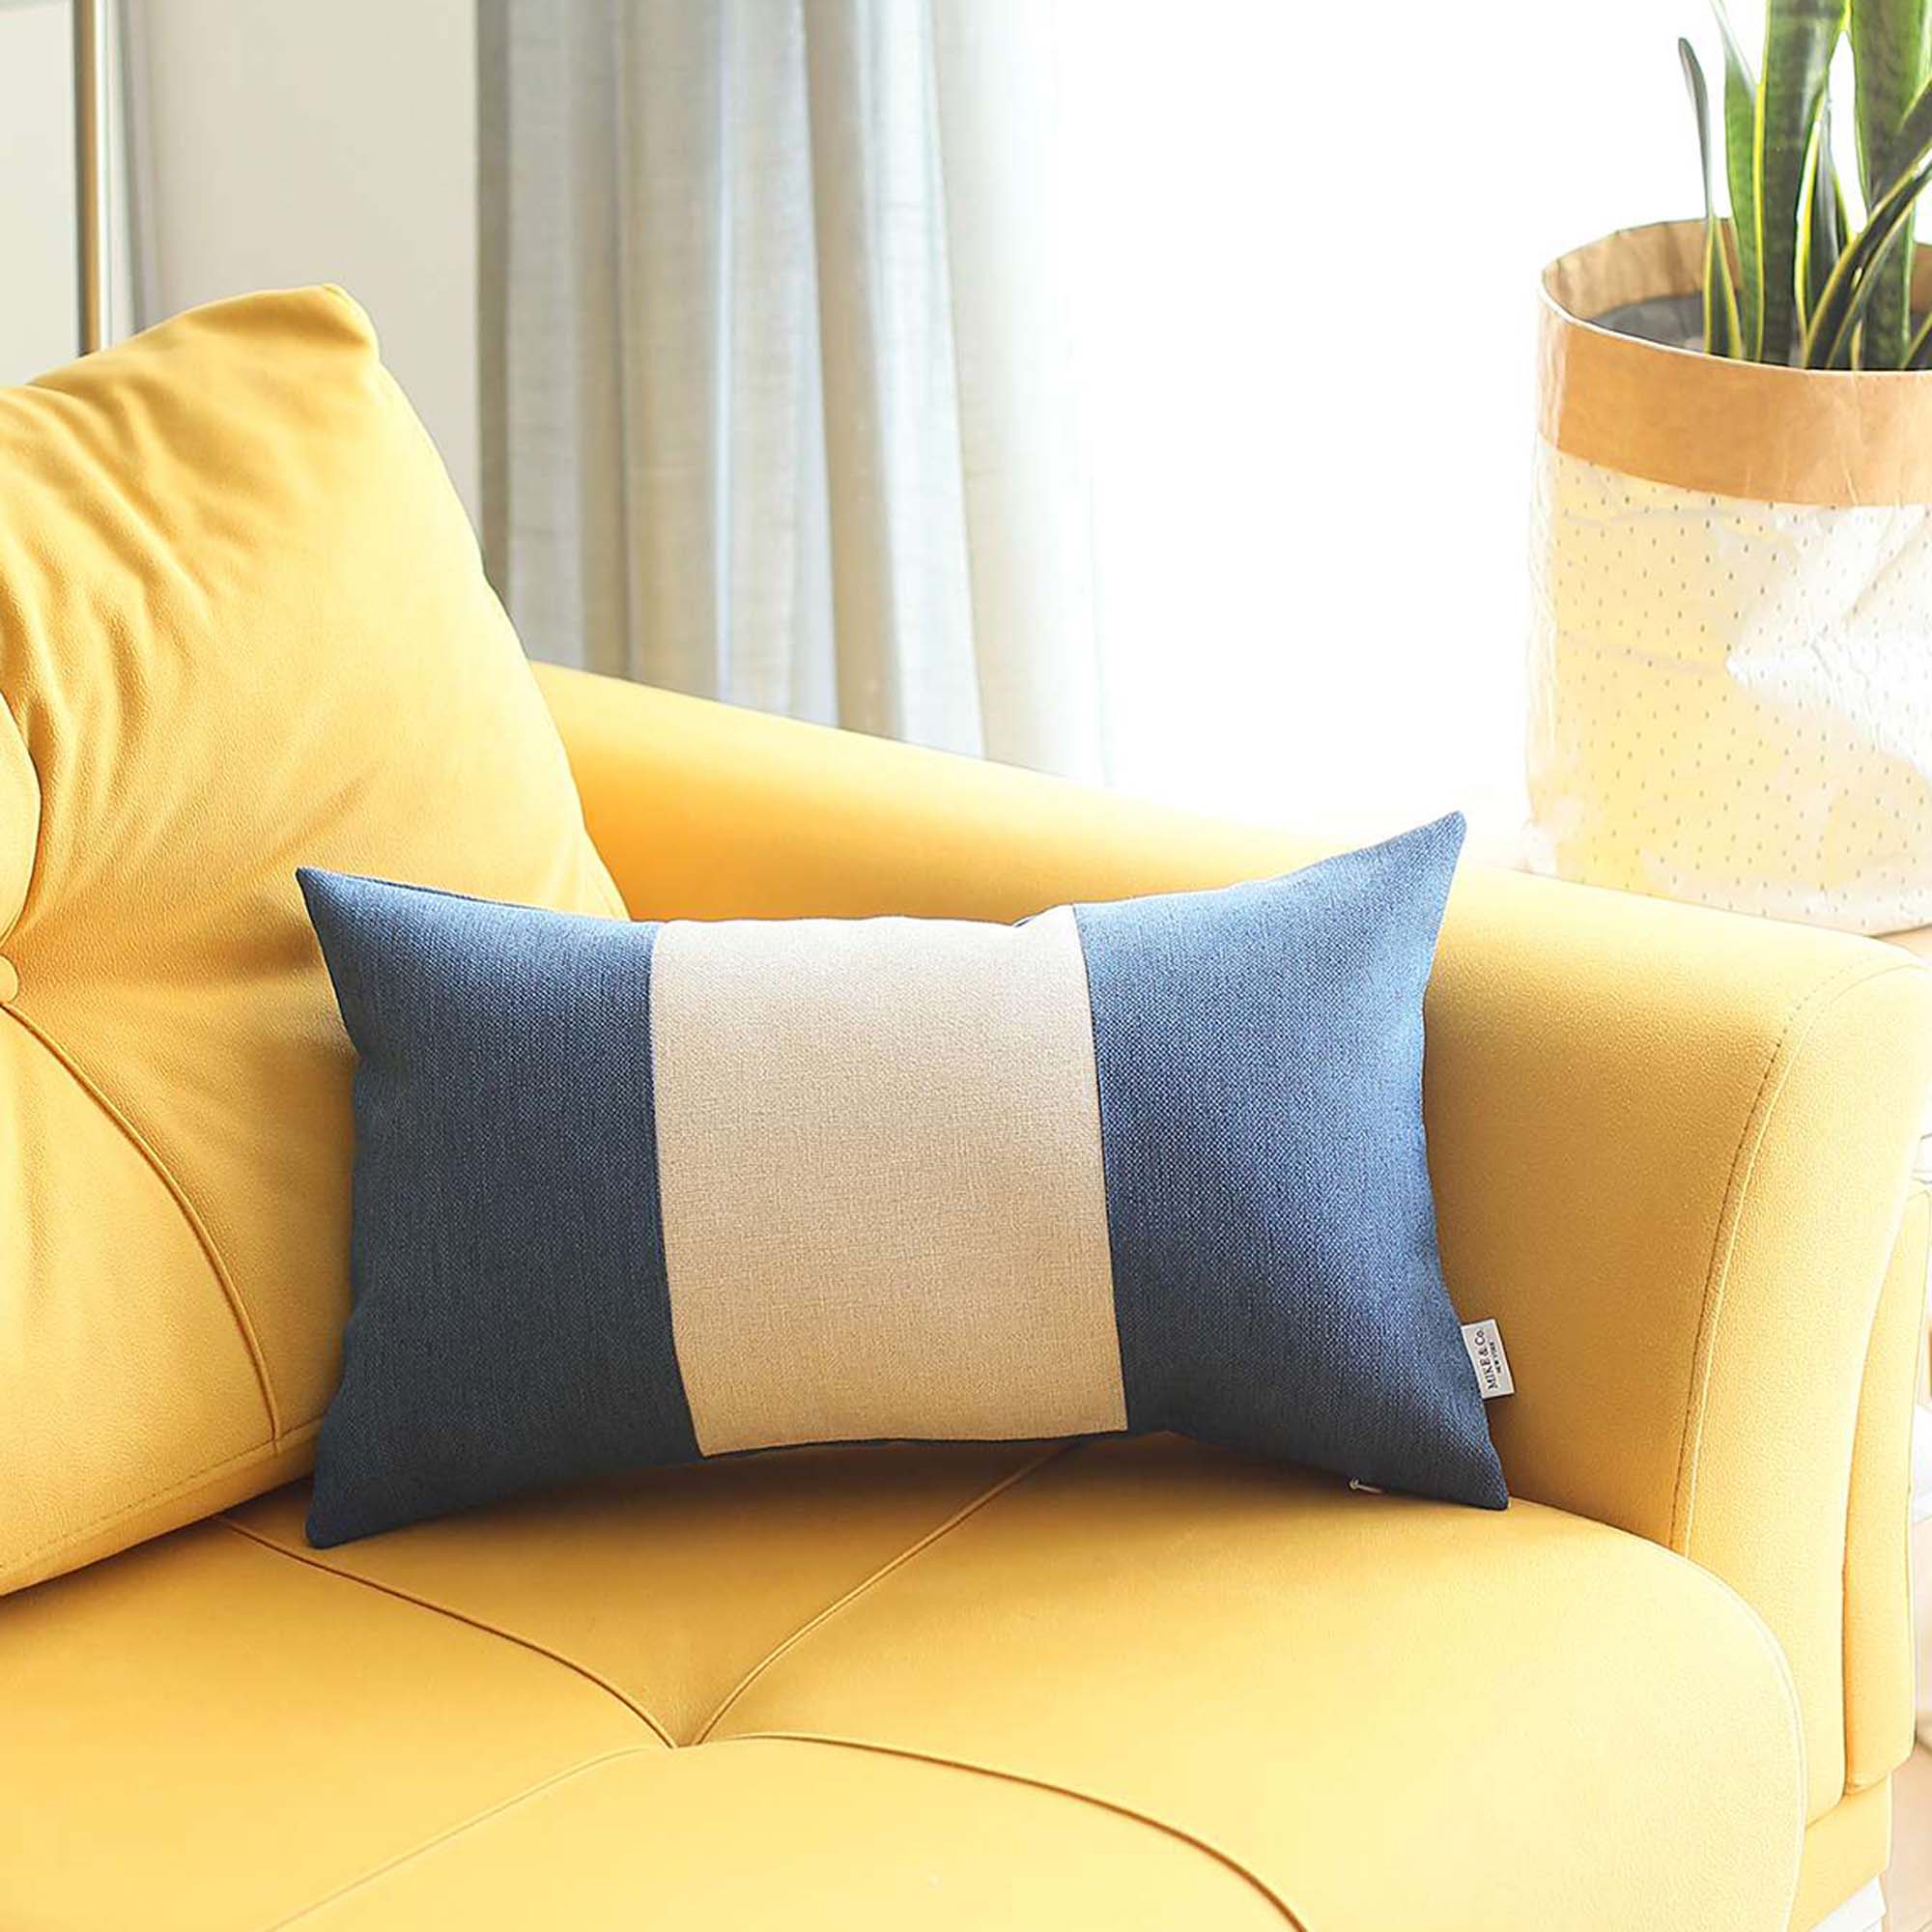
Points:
(1784, 1056)
(1154, 1823)
(260, 1451)
(434, 1608)
(162, 1173)
(959, 1516)
(529, 1794)
(516, 1799)
(1916, 1203)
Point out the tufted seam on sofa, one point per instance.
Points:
(516, 1798)
(165, 1174)
(1784, 1056)
(436, 1608)
(260, 1451)
(530, 1793)
(966, 1510)
(1119, 1811)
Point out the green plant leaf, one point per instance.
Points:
(1821, 219)
(1827, 343)
(1723, 335)
(1914, 140)
(1912, 149)
(1919, 352)
(1892, 58)
(1741, 176)
(1799, 36)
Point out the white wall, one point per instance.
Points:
(281, 144)
(36, 237)
(1311, 363)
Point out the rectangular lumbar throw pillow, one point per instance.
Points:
(632, 1194)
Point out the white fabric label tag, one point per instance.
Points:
(1484, 1341)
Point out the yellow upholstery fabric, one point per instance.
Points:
(1120, 1682)
(202, 1733)
(1878, 1553)
(1844, 1851)
(1112, 1684)
(1670, 1146)
(885, 1840)
(242, 627)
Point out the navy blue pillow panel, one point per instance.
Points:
(1177, 1141)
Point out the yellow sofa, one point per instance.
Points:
(1118, 1684)
(1108, 1685)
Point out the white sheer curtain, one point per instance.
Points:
(776, 397)
(1106, 384)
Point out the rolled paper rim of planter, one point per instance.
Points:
(1834, 437)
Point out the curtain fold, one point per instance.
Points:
(777, 397)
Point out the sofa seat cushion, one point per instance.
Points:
(1119, 1683)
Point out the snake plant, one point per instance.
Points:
(1787, 278)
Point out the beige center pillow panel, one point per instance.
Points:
(243, 627)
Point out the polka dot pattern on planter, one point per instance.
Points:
(1730, 701)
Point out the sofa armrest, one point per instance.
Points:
(1670, 1147)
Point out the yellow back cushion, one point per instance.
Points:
(242, 628)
